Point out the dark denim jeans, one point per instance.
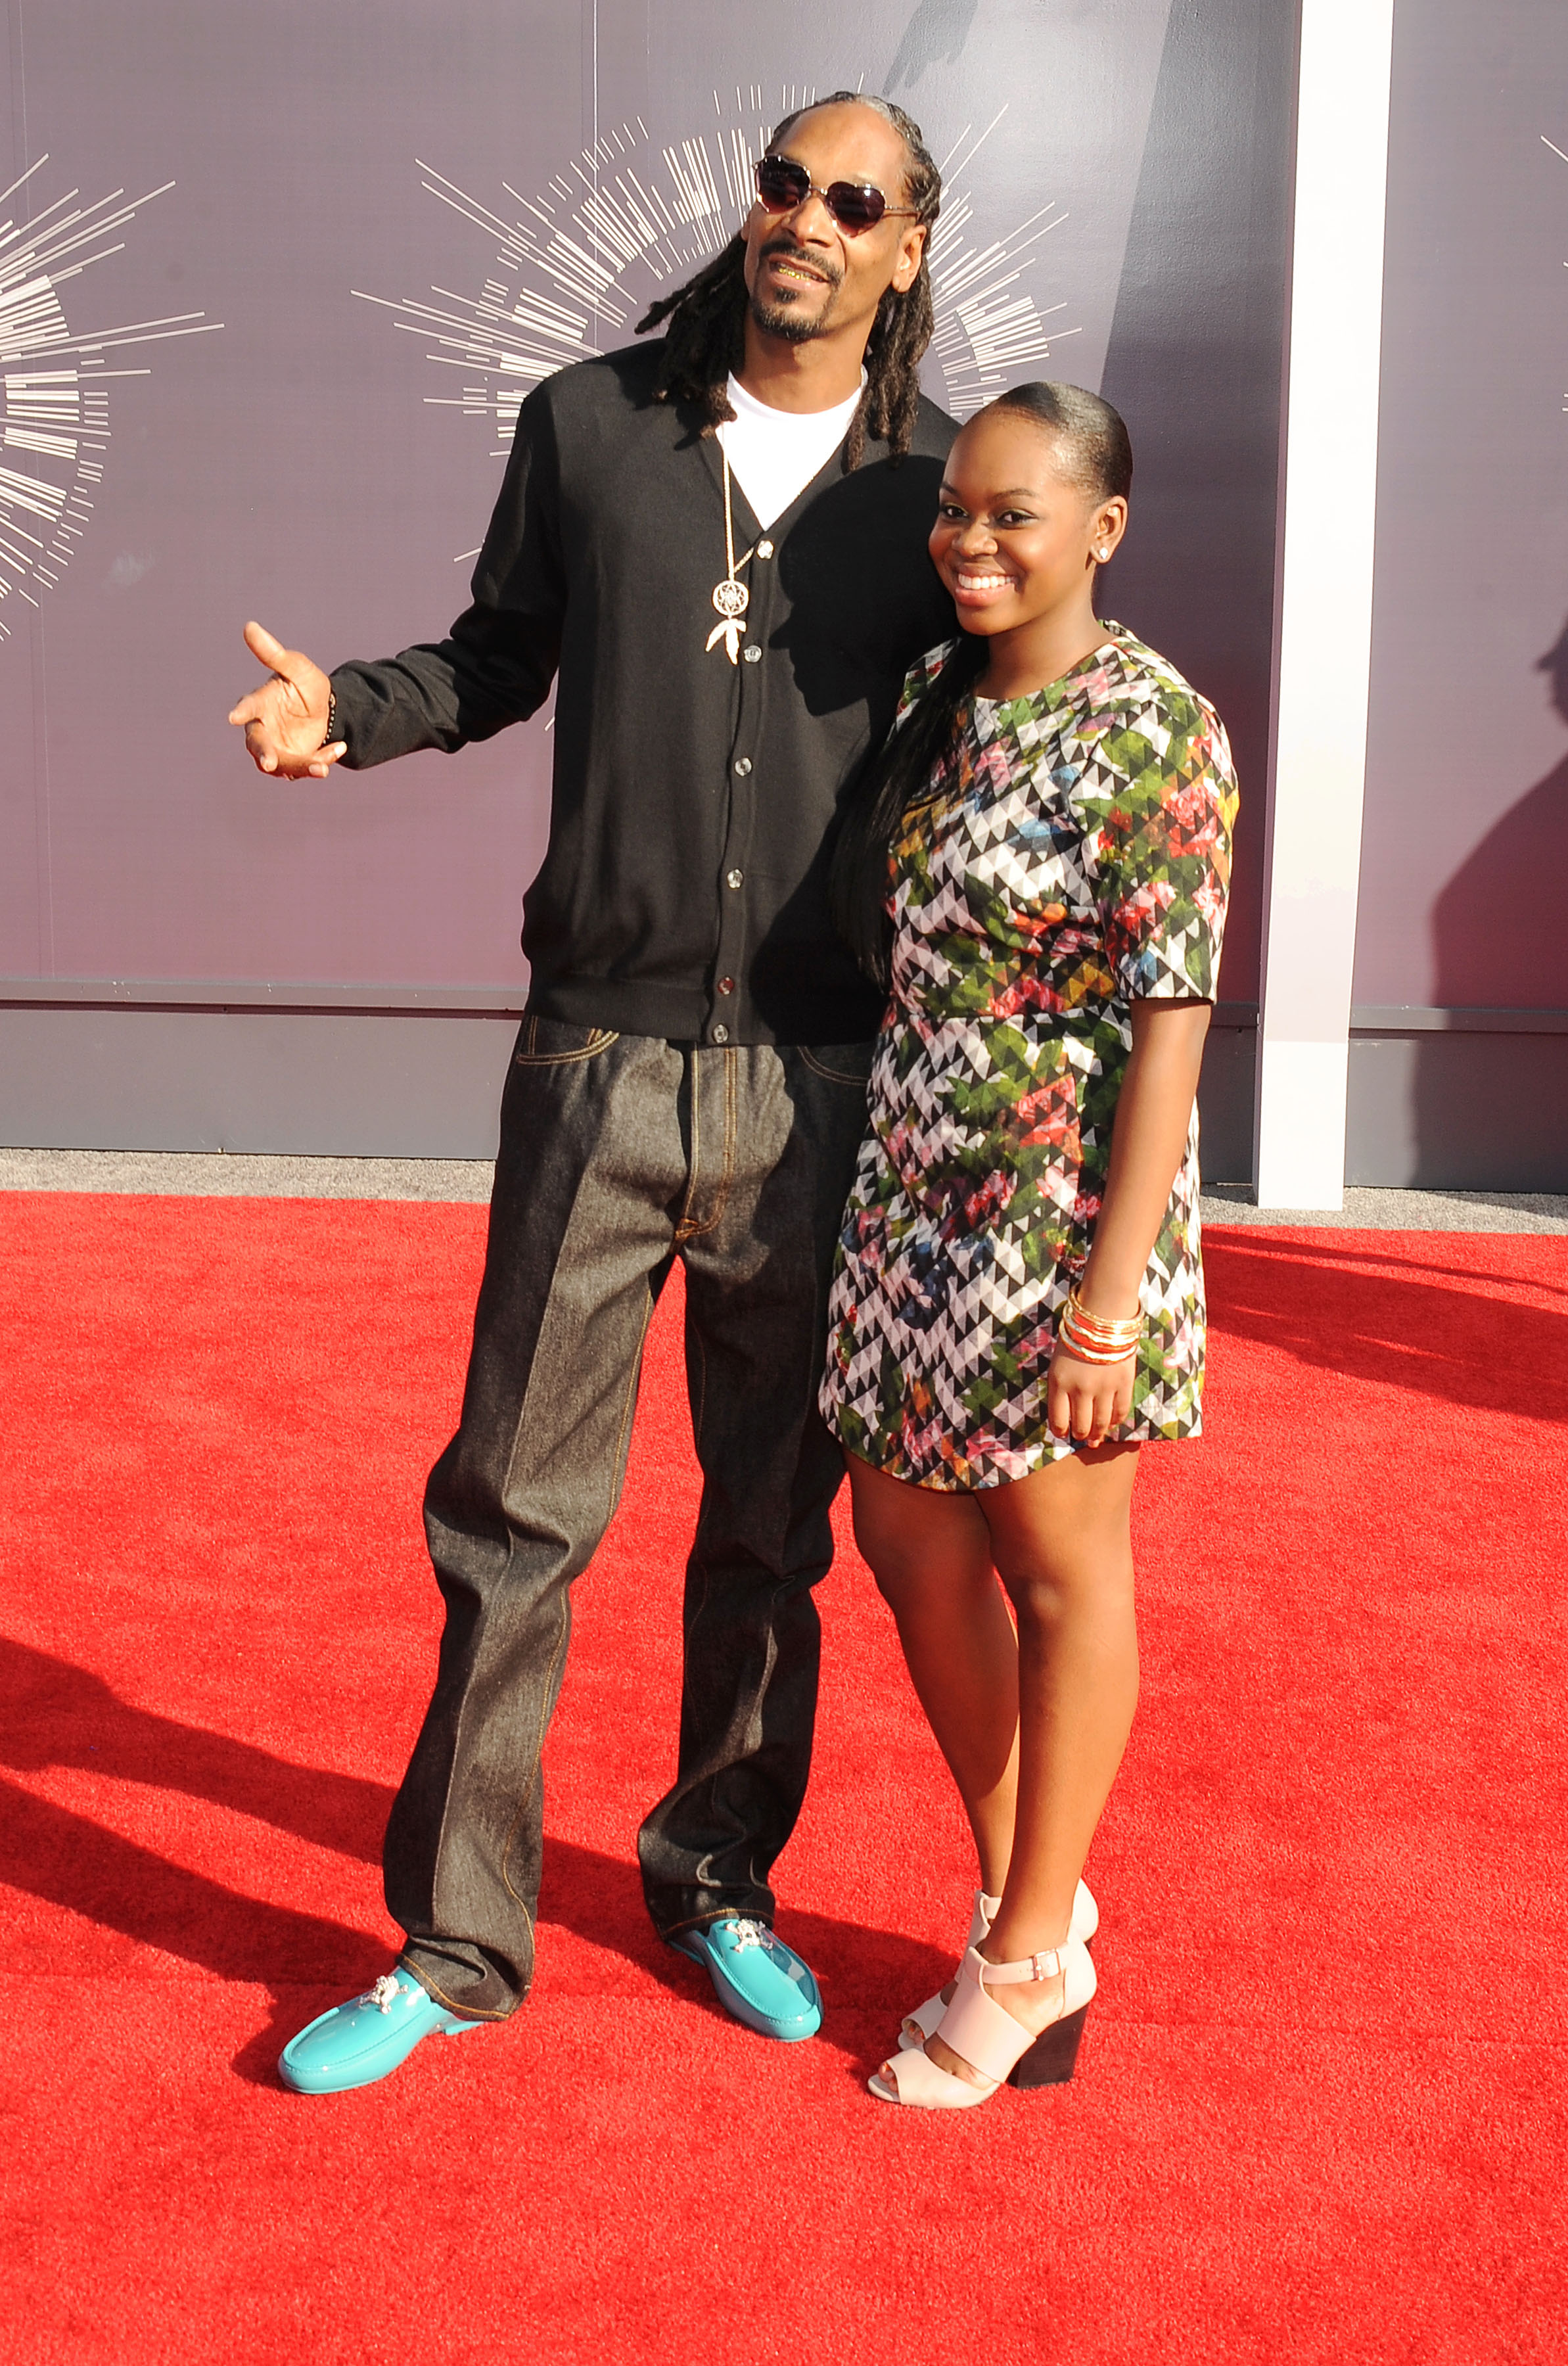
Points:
(619, 1154)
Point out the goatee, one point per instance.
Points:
(783, 320)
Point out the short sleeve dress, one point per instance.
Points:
(1075, 858)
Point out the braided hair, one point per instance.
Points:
(706, 339)
(911, 773)
(907, 775)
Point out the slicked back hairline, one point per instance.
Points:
(1073, 459)
(1089, 431)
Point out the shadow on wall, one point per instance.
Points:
(935, 35)
(1501, 944)
(1498, 925)
(1194, 365)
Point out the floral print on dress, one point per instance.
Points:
(1075, 858)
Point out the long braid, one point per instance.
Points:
(891, 402)
(905, 775)
(706, 339)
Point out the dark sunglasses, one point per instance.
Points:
(854, 205)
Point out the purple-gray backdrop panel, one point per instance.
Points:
(309, 448)
(1464, 857)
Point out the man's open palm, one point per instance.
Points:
(284, 721)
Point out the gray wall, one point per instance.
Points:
(192, 957)
(1194, 363)
(1460, 1053)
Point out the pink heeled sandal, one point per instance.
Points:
(926, 2019)
(982, 2033)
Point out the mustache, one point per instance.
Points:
(796, 253)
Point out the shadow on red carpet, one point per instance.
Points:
(48, 1708)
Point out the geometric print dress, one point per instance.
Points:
(1075, 857)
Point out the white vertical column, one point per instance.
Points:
(1323, 657)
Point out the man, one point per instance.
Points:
(716, 544)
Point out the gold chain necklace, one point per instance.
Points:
(730, 597)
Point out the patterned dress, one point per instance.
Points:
(1076, 858)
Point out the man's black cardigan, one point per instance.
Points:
(684, 888)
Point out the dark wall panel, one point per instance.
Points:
(1414, 1103)
(360, 1085)
(1226, 1094)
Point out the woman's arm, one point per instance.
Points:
(1152, 1112)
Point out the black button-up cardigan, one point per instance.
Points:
(684, 888)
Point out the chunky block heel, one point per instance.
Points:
(926, 2019)
(993, 2042)
(1053, 2058)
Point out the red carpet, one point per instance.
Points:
(1319, 2114)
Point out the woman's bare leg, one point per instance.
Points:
(1063, 1550)
(930, 1554)
(1061, 1543)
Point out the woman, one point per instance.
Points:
(1019, 1301)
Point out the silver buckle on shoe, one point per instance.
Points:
(384, 1995)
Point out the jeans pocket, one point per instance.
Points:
(839, 1064)
(553, 1042)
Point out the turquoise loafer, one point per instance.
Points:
(757, 1978)
(355, 2043)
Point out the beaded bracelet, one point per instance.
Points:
(1096, 1338)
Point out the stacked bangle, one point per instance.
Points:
(1092, 1338)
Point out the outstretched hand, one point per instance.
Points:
(284, 721)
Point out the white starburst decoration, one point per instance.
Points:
(1563, 153)
(54, 382)
(576, 265)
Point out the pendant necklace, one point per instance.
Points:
(730, 597)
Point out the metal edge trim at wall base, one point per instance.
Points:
(1454, 1018)
(305, 999)
(296, 999)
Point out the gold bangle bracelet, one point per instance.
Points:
(1071, 1346)
(1105, 1331)
(1092, 1351)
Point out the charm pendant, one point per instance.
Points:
(732, 600)
(730, 597)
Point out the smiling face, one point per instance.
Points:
(805, 276)
(1018, 539)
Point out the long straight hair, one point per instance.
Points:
(909, 773)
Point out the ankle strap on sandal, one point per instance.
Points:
(1045, 1965)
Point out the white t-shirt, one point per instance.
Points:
(773, 455)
